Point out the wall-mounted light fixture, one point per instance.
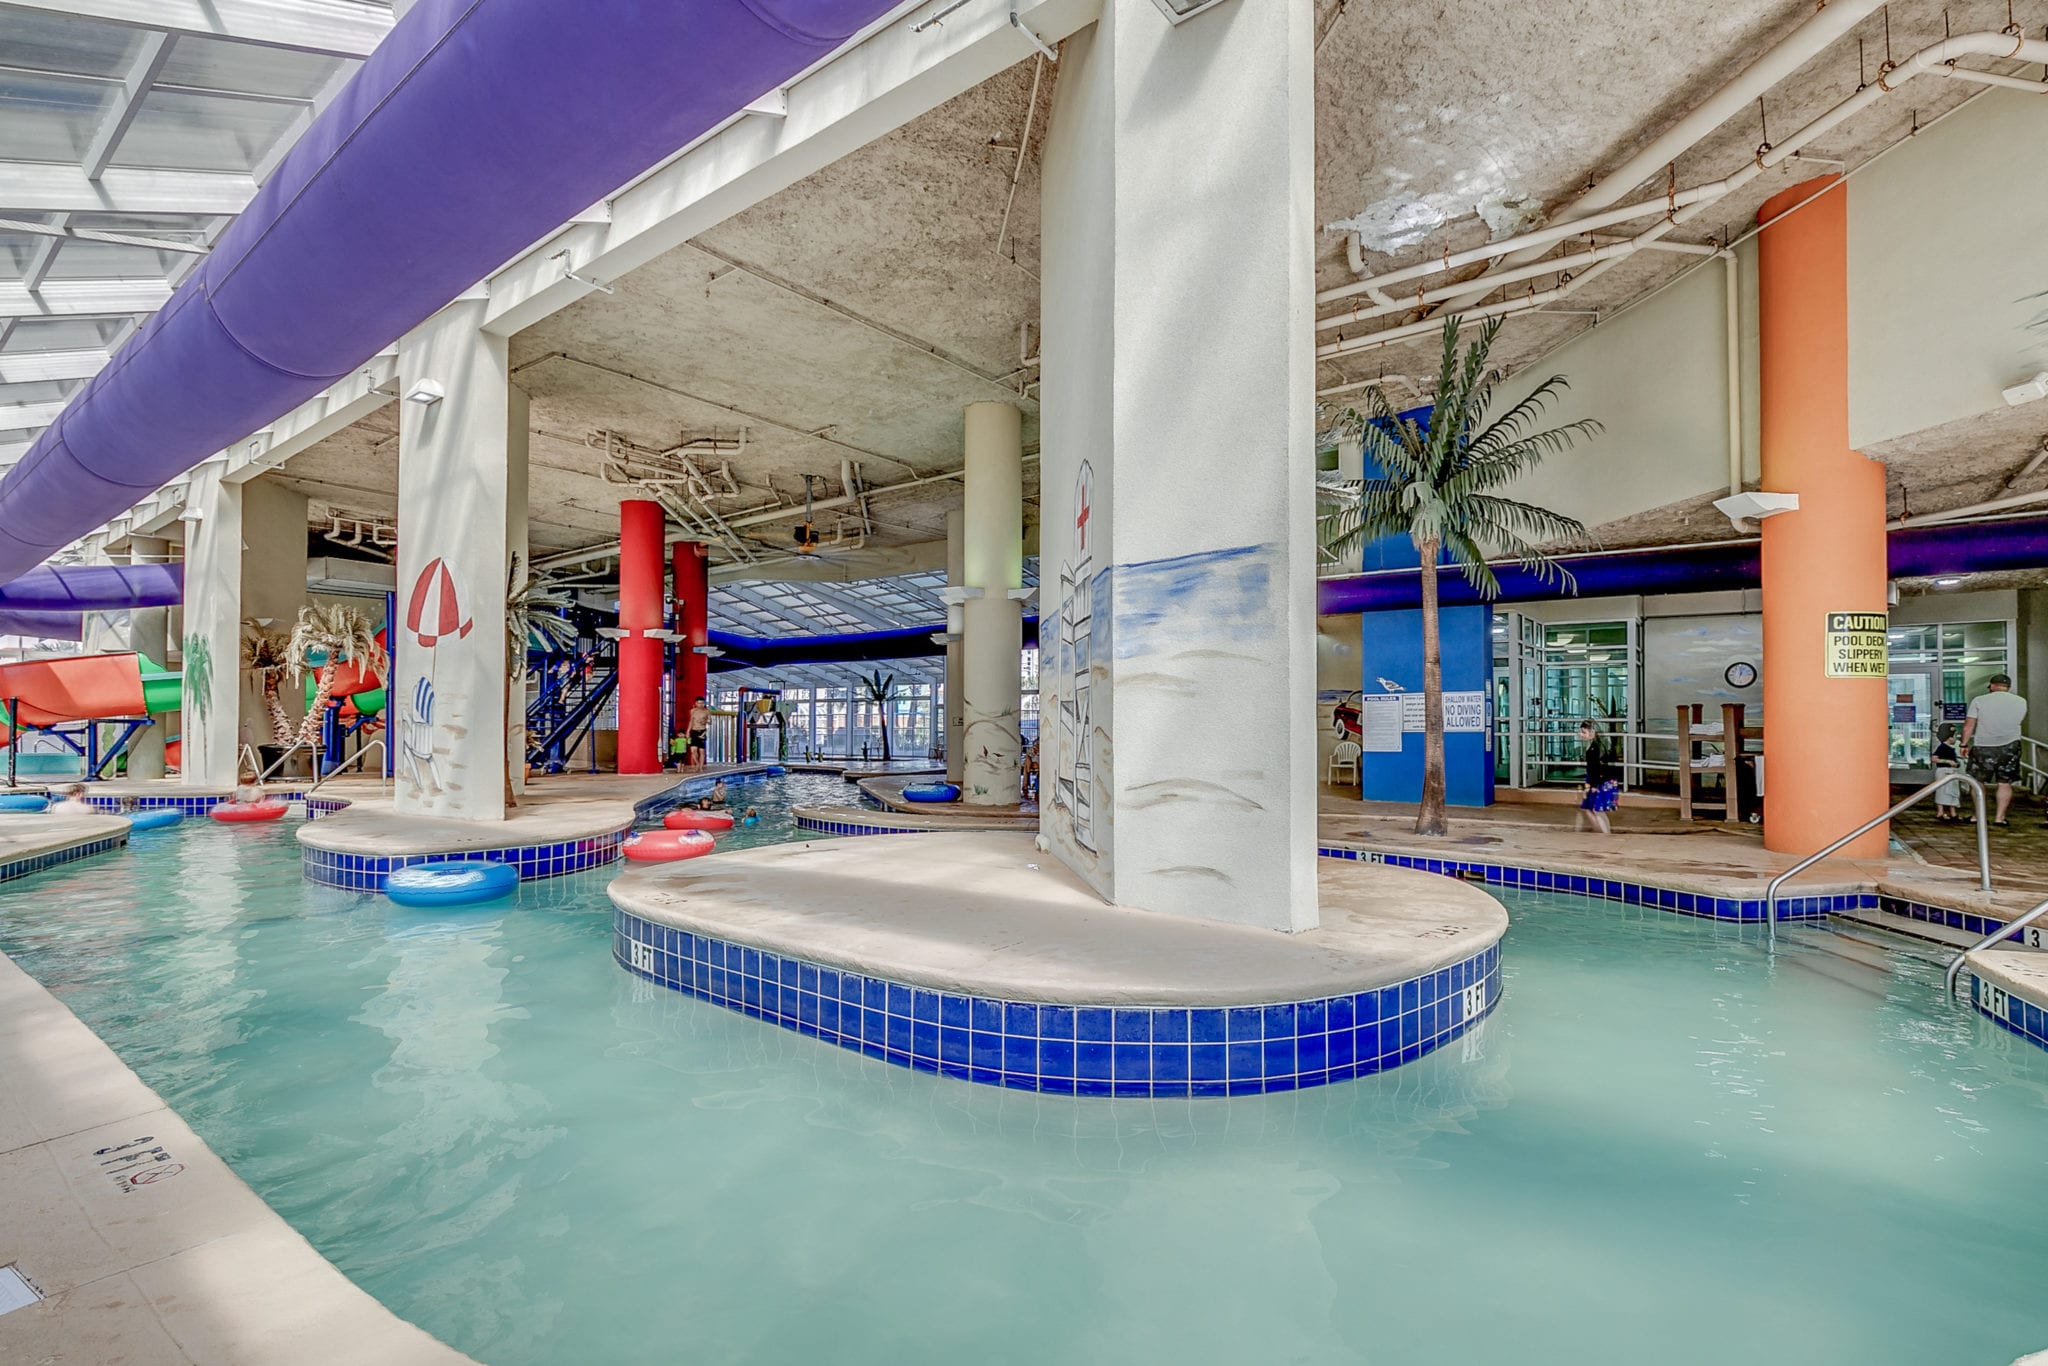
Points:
(426, 393)
(1180, 11)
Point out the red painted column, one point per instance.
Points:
(640, 603)
(1826, 769)
(691, 608)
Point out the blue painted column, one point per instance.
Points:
(1391, 664)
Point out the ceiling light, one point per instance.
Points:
(426, 393)
(1947, 583)
(1180, 11)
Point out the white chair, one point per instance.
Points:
(1344, 757)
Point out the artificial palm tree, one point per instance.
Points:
(326, 637)
(534, 604)
(263, 654)
(880, 689)
(1435, 482)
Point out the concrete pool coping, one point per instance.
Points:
(989, 915)
(903, 818)
(30, 839)
(373, 827)
(889, 792)
(147, 1247)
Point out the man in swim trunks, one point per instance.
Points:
(699, 728)
(1991, 740)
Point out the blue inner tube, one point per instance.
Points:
(23, 801)
(931, 792)
(156, 818)
(451, 883)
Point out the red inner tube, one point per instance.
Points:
(231, 812)
(688, 819)
(666, 846)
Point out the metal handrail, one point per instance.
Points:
(337, 770)
(2001, 933)
(1983, 844)
(306, 745)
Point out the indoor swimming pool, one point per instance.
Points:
(771, 796)
(1663, 1146)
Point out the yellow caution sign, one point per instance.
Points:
(1856, 645)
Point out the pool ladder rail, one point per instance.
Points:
(1983, 849)
(2003, 932)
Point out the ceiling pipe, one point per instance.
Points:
(2005, 46)
(1832, 21)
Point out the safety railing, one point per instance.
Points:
(2003, 932)
(295, 747)
(352, 759)
(1983, 843)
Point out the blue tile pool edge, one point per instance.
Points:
(2010, 1011)
(51, 858)
(1066, 1048)
(367, 872)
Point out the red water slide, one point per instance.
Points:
(72, 688)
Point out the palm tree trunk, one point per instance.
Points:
(515, 714)
(1429, 820)
(885, 731)
(317, 708)
(280, 723)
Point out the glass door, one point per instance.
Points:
(1913, 693)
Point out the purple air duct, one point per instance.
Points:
(95, 588)
(853, 647)
(42, 625)
(1911, 552)
(474, 129)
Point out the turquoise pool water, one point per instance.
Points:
(1662, 1147)
(771, 799)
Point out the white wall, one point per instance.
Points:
(1654, 378)
(1945, 243)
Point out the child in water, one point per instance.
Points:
(69, 800)
(752, 817)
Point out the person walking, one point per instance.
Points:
(1991, 740)
(1601, 792)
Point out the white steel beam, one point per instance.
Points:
(135, 82)
(29, 416)
(73, 298)
(46, 187)
(338, 28)
(338, 407)
(847, 102)
(27, 367)
(41, 256)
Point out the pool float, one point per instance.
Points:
(666, 846)
(449, 882)
(691, 819)
(931, 792)
(156, 818)
(24, 801)
(236, 813)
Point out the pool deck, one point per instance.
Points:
(148, 1249)
(29, 836)
(1653, 846)
(988, 915)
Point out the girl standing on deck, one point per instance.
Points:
(1602, 789)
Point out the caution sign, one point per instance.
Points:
(1856, 645)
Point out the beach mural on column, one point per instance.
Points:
(1173, 649)
(433, 616)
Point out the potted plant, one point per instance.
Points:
(1435, 482)
(325, 638)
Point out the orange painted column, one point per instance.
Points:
(1825, 764)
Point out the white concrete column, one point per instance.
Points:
(448, 698)
(1177, 668)
(212, 646)
(952, 730)
(516, 472)
(149, 636)
(992, 617)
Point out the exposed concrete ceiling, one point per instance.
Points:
(843, 324)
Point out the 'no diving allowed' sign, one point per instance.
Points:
(1856, 645)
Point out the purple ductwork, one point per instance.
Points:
(475, 128)
(854, 647)
(1911, 552)
(43, 625)
(95, 588)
